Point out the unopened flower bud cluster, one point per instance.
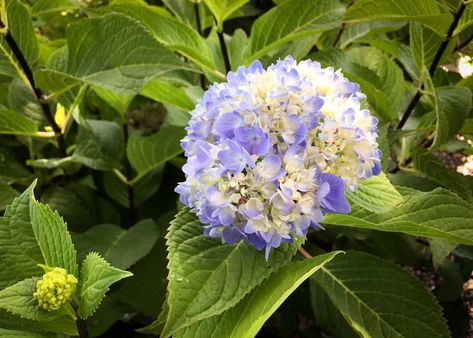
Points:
(55, 289)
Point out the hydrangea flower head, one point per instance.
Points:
(55, 289)
(271, 151)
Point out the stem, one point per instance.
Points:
(129, 177)
(339, 35)
(463, 44)
(82, 328)
(342, 28)
(223, 47)
(199, 29)
(433, 66)
(304, 253)
(38, 93)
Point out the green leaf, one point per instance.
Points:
(326, 314)
(146, 291)
(376, 194)
(431, 166)
(146, 153)
(423, 11)
(7, 195)
(53, 238)
(355, 32)
(222, 9)
(206, 277)
(424, 44)
(6, 333)
(96, 276)
(466, 19)
(19, 251)
(380, 299)
(13, 123)
(18, 299)
(303, 17)
(60, 325)
(21, 28)
(234, 45)
(117, 53)
(167, 93)
(440, 249)
(117, 101)
(11, 169)
(47, 7)
(436, 214)
(170, 32)
(122, 248)
(100, 145)
(247, 317)
(453, 108)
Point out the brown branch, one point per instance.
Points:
(37, 92)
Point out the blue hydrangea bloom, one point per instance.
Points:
(271, 151)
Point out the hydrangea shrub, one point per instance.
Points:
(237, 168)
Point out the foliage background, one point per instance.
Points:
(94, 98)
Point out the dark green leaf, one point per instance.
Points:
(379, 299)
(122, 248)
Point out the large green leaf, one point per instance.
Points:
(14, 123)
(245, 319)
(453, 108)
(437, 214)
(21, 28)
(431, 166)
(115, 52)
(100, 144)
(146, 153)
(289, 21)
(326, 314)
(19, 252)
(18, 299)
(380, 299)
(47, 7)
(6, 333)
(222, 9)
(53, 238)
(424, 44)
(206, 277)
(170, 32)
(355, 32)
(121, 248)
(423, 11)
(64, 325)
(96, 276)
(167, 93)
(7, 195)
(376, 194)
(466, 19)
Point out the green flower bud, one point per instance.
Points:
(55, 289)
